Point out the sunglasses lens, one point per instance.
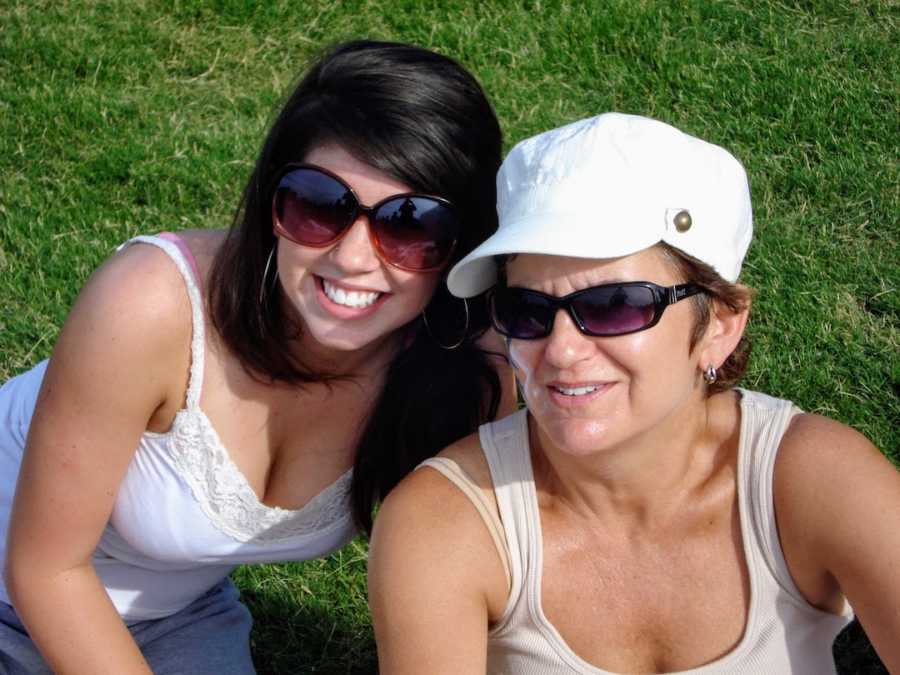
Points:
(615, 310)
(602, 311)
(522, 315)
(416, 233)
(313, 208)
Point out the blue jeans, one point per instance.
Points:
(211, 636)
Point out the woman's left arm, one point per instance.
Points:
(837, 503)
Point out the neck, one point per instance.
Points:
(644, 480)
(366, 363)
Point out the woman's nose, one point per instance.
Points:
(355, 252)
(566, 344)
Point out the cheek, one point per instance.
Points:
(524, 356)
(642, 357)
(418, 288)
(294, 260)
(660, 367)
(412, 292)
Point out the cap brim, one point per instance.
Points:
(580, 237)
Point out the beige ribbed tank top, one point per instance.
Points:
(783, 632)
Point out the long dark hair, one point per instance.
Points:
(418, 117)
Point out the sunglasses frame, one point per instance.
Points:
(663, 296)
(368, 211)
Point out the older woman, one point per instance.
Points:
(642, 514)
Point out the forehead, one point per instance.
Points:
(368, 182)
(559, 275)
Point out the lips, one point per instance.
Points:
(577, 393)
(348, 302)
(348, 297)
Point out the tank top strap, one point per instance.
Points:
(187, 266)
(186, 254)
(453, 472)
(764, 420)
(506, 449)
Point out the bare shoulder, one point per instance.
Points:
(427, 501)
(423, 538)
(144, 278)
(822, 471)
(815, 446)
(130, 323)
(821, 463)
(836, 497)
(428, 517)
(467, 453)
(141, 283)
(434, 577)
(829, 480)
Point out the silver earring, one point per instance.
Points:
(262, 286)
(710, 375)
(462, 337)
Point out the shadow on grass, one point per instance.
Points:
(854, 655)
(291, 638)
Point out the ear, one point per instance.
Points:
(724, 332)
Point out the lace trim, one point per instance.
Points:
(218, 486)
(227, 499)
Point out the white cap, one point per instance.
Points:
(610, 186)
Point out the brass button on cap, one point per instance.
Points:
(682, 221)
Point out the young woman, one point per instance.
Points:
(219, 398)
(642, 514)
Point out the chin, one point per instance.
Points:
(342, 340)
(578, 437)
(340, 335)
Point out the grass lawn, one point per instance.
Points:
(119, 118)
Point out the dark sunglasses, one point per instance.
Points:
(598, 311)
(413, 232)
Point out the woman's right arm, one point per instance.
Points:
(121, 356)
(836, 502)
(434, 575)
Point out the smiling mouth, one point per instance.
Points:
(576, 391)
(348, 298)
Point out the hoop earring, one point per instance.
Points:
(262, 287)
(462, 338)
(710, 375)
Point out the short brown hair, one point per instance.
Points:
(735, 297)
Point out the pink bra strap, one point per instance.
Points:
(186, 252)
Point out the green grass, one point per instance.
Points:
(124, 117)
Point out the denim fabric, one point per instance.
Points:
(211, 636)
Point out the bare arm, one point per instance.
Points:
(837, 501)
(111, 370)
(434, 576)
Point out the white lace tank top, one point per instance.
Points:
(783, 632)
(184, 516)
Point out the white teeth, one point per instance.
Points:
(355, 299)
(576, 391)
